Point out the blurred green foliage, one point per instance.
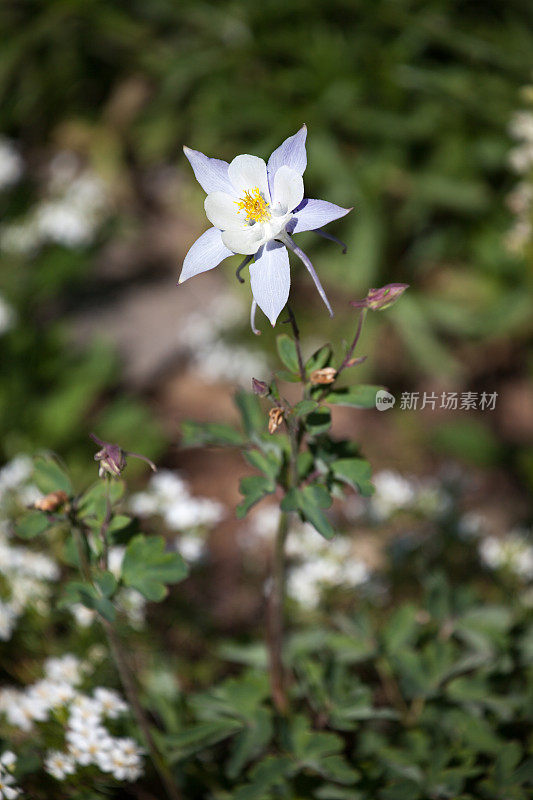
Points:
(407, 103)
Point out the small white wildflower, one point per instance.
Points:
(11, 164)
(84, 616)
(134, 606)
(7, 316)
(123, 760)
(521, 126)
(191, 547)
(65, 669)
(393, 492)
(87, 746)
(8, 620)
(116, 557)
(59, 764)
(15, 472)
(50, 694)
(111, 703)
(513, 552)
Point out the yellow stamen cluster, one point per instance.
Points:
(254, 205)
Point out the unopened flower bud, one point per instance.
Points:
(259, 387)
(52, 501)
(324, 375)
(380, 299)
(275, 419)
(112, 458)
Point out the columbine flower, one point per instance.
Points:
(254, 209)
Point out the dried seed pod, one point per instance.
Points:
(324, 375)
(275, 419)
(52, 501)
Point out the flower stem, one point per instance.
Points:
(275, 632)
(296, 332)
(132, 693)
(349, 354)
(121, 660)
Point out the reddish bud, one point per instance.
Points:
(380, 299)
(112, 458)
(259, 387)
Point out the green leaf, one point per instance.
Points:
(287, 352)
(253, 416)
(107, 583)
(148, 568)
(268, 463)
(318, 421)
(197, 434)
(49, 476)
(356, 472)
(119, 523)
(254, 488)
(266, 775)
(304, 407)
(87, 595)
(199, 737)
(354, 396)
(251, 742)
(310, 501)
(285, 375)
(32, 524)
(320, 358)
(93, 503)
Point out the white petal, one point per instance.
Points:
(314, 214)
(207, 252)
(270, 279)
(246, 241)
(211, 173)
(288, 189)
(223, 212)
(247, 172)
(291, 154)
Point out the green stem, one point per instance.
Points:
(121, 662)
(296, 332)
(132, 693)
(275, 631)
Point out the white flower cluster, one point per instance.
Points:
(11, 164)
(23, 707)
(75, 205)
(88, 740)
(8, 790)
(520, 200)
(168, 496)
(314, 563)
(213, 359)
(130, 601)
(14, 482)
(395, 492)
(513, 552)
(27, 578)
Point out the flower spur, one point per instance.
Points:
(254, 209)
